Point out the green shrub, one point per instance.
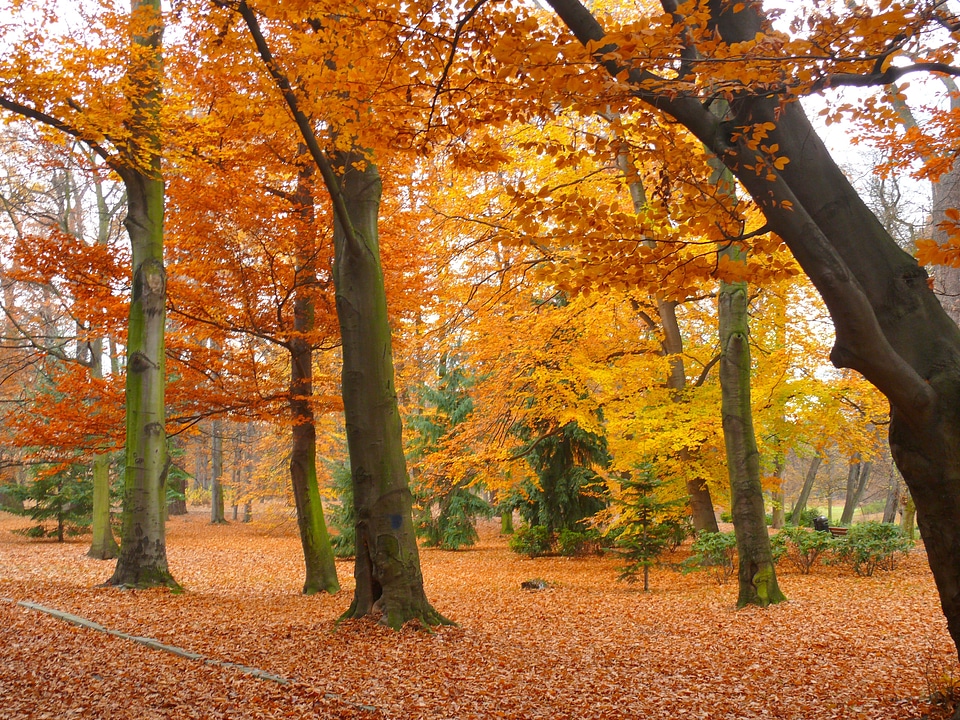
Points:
(714, 551)
(453, 526)
(871, 545)
(573, 543)
(801, 547)
(532, 540)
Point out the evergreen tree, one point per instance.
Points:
(650, 523)
(568, 489)
(446, 508)
(64, 497)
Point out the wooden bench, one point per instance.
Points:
(838, 531)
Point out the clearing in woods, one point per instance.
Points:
(585, 647)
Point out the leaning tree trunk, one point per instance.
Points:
(321, 571)
(387, 568)
(143, 550)
(796, 515)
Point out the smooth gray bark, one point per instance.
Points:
(217, 516)
(808, 480)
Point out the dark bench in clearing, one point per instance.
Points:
(821, 524)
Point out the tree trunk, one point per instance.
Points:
(757, 575)
(892, 506)
(700, 503)
(909, 516)
(778, 517)
(217, 516)
(143, 550)
(387, 569)
(857, 477)
(103, 546)
(200, 463)
(321, 571)
(808, 481)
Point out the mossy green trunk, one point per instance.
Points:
(321, 571)
(103, 546)
(143, 550)
(757, 577)
(387, 568)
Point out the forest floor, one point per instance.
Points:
(587, 647)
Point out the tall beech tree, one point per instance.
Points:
(132, 149)
(143, 552)
(387, 565)
(321, 573)
(889, 325)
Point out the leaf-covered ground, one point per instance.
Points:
(586, 647)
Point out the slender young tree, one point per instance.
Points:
(756, 572)
(321, 572)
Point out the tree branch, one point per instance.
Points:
(329, 175)
(58, 124)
